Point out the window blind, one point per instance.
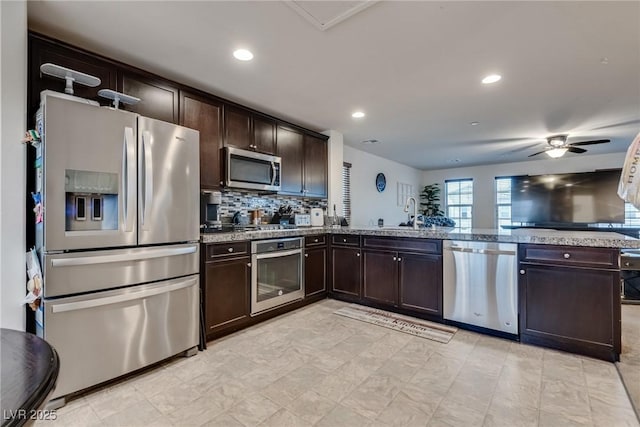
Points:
(346, 191)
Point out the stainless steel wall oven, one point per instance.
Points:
(277, 273)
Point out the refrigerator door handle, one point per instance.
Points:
(128, 185)
(128, 296)
(147, 171)
(105, 259)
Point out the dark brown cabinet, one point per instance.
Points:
(291, 150)
(315, 167)
(226, 286)
(205, 115)
(380, 277)
(570, 299)
(158, 98)
(420, 283)
(346, 269)
(404, 273)
(42, 51)
(248, 131)
(264, 134)
(304, 163)
(315, 265)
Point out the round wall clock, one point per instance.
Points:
(381, 182)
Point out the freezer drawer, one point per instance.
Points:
(480, 284)
(105, 335)
(82, 272)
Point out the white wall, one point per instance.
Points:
(367, 204)
(335, 155)
(484, 178)
(13, 105)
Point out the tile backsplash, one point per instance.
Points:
(245, 201)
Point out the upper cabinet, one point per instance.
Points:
(158, 98)
(43, 51)
(315, 166)
(304, 163)
(291, 150)
(205, 115)
(249, 131)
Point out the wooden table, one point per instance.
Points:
(29, 368)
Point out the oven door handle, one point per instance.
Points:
(278, 254)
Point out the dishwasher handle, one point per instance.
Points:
(480, 251)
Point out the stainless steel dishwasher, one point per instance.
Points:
(480, 284)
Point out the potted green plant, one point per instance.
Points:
(433, 216)
(431, 196)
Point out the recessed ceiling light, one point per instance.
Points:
(604, 60)
(243, 55)
(492, 78)
(357, 115)
(474, 123)
(371, 141)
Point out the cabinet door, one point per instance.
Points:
(291, 149)
(158, 98)
(346, 271)
(574, 308)
(420, 280)
(226, 293)
(44, 51)
(315, 271)
(315, 167)
(205, 115)
(264, 135)
(380, 271)
(237, 128)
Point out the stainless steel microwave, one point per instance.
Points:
(251, 170)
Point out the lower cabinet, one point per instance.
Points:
(409, 281)
(420, 283)
(315, 271)
(227, 290)
(571, 303)
(346, 266)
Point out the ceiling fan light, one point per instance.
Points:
(554, 153)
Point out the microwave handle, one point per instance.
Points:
(273, 173)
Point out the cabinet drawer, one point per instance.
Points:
(345, 239)
(225, 249)
(403, 244)
(571, 255)
(315, 240)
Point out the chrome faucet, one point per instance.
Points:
(415, 210)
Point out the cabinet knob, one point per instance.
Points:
(315, 240)
(399, 259)
(248, 264)
(306, 255)
(627, 264)
(394, 258)
(344, 240)
(567, 256)
(230, 249)
(521, 271)
(358, 254)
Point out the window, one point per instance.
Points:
(459, 202)
(503, 202)
(346, 191)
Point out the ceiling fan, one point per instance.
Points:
(558, 146)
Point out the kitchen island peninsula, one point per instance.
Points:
(565, 285)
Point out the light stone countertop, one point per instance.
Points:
(538, 236)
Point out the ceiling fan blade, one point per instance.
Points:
(535, 154)
(597, 141)
(576, 150)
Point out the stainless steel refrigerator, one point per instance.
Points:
(118, 241)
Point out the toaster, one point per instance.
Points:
(317, 217)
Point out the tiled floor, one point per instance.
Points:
(312, 367)
(629, 365)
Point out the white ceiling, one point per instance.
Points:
(413, 67)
